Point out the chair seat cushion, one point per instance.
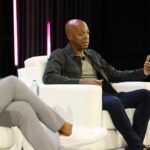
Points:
(82, 136)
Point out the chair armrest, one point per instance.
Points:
(129, 86)
(6, 138)
(85, 101)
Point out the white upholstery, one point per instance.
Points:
(6, 133)
(84, 101)
(71, 98)
(38, 67)
(12, 139)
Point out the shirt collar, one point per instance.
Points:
(70, 51)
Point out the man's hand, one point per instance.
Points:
(91, 81)
(147, 66)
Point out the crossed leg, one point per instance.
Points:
(23, 108)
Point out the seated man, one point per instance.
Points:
(20, 107)
(76, 64)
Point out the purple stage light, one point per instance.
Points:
(15, 32)
(48, 38)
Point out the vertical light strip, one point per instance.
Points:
(15, 33)
(48, 38)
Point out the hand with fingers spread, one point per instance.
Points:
(147, 66)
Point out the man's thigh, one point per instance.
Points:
(133, 98)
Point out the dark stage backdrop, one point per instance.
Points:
(6, 39)
(119, 30)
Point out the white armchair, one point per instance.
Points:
(83, 101)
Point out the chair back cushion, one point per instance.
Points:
(38, 63)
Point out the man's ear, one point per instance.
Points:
(69, 37)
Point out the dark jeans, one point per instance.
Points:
(116, 104)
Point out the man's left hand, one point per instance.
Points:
(147, 66)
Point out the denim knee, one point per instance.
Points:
(112, 103)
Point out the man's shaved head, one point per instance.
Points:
(72, 24)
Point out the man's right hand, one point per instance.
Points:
(91, 81)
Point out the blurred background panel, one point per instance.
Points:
(119, 30)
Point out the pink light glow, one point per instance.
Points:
(48, 38)
(15, 33)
